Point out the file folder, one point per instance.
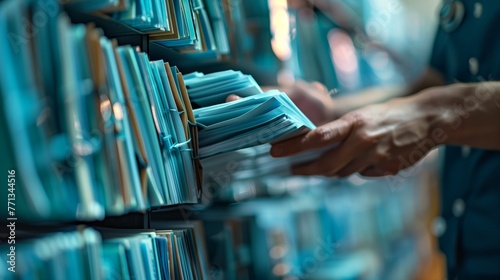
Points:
(251, 121)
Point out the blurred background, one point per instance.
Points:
(348, 45)
(314, 228)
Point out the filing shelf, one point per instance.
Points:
(126, 35)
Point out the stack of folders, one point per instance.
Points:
(248, 122)
(237, 29)
(239, 131)
(63, 255)
(177, 253)
(255, 163)
(90, 128)
(146, 16)
(181, 24)
(211, 89)
(255, 119)
(200, 28)
(219, 25)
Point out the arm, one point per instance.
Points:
(385, 138)
(314, 99)
(469, 114)
(373, 95)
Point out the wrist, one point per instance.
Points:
(443, 109)
(340, 107)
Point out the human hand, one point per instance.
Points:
(232, 97)
(376, 140)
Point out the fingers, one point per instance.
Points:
(353, 167)
(319, 166)
(232, 97)
(374, 171)
(322, 136)
(353, 155)
(350, 154)
(380, 169)
(327, 165)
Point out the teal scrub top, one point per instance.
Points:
(467, 49)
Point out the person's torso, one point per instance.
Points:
(470, 197)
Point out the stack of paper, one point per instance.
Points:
(206, 90)
(183, 20)
(58, 256)
(91, 128)
(228, 21)
(247, 122)
(183, 25)
(33, 147)
(237, 29)
(145, 15)
(219, 24)
(187, 245)
(255, 163)
(178, 252)
(180, 24)
(191, 31)
(202, 29)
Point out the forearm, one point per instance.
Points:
(343, 105)
(466, 114)
(346, 104)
